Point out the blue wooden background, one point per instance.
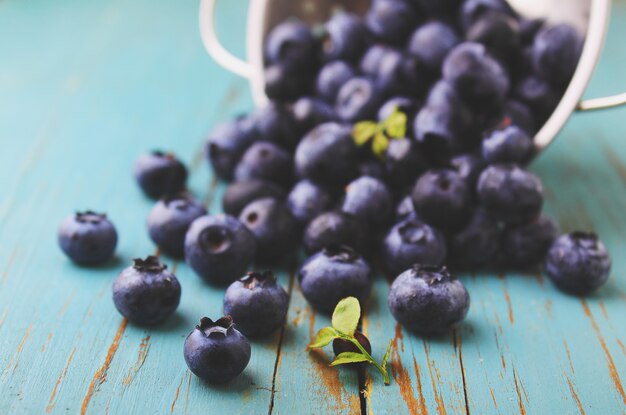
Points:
(86, 86)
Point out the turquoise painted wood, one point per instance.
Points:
(87, 86)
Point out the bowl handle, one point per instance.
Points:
(602, 103)
(213, 45)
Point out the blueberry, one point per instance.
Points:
(310, 112)
(510, 193)
(358, 99)
(345, 37)
(239, 194)
(170, 219)
(337, 228)
(332, 274)
(215, 351)
(369, 200)
(507, 145)
(391, 20)
(372, 168)
(529, 28)
(477, 244)
(401, 74)
(146, 292)
(276, 123)
(285, 84)
(526, 246)
(468, 166)
(578, 263)
(408, 106)
(227, 143)
(265, 161)
(87, 238)
(160, 173)
(331, 77)
(499, 32)
(371, 59)
(442, 199)
(273, 227)
(431, 42)
(291, 44)
(403, 163)
(538, 95)
(472, 10)
(439, 130)
(405, 209)
(327, 155)
(412, 242)
(520, 114)
(257, 304)
(477, 76)
(428, 300)
(307, 200)
(219, 248)
(556, 51)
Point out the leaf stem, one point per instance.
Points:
(371, 360)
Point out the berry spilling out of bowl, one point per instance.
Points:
(398, 139)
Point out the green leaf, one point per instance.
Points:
(387, 354)
(346, 315)
(348, 357)
(363, 131)
(324, 337)
(395, 124)
(380, 144)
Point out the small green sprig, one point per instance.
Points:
(379, 133)
(344, 322)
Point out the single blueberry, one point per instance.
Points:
(215, 351)
(439, 131)
(266, 161)
(227, 143)
(578, 263)
(275, 123)
(273, 227)
(442, 199)
(160, 173)
(412, 242)
(345, 37)
(478, 78)
(146, 292)
(219, 248)
(291, 44)
(87, 238)
(333, 274)
(331, 77)
(335, 228)
(372, 58)
(400, 73)
(431, 42)
(285, 84)
(510, 194)
(404, 162)
(391, 20)
(327, 155)
(539, 96)
(169, 220)
(477, 244)
(257, 304)
(507, 145)
(369, 200)
(310, 112)
(556, 51)
(307, 200)
(358, 99)
(239, 194)
(428, 300)
(526, 246)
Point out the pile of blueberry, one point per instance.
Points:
(474, 80)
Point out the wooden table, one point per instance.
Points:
(86, 86)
